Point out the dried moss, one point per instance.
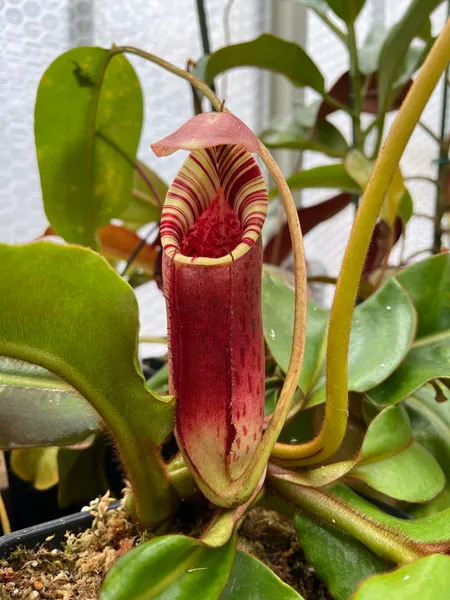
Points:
(76, 570)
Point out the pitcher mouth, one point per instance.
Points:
(215, 208)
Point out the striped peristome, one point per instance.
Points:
(216, 344)
(231, 168)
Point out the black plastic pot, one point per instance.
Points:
(37, 534)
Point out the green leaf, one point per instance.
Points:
(171, 566)
(406, 207)
(382, 332)
(428, 283)
(426, 32)
(412, 475)
(39, 409)
(250, 579)
(428, 359)
(143, 206)
(358, 167)
(347, 10)
(39, 466)
(340, 560)
(82, 474)
(427, 578)
(388, 433)
(327, 176)
(271, 53)
(397, 43)
(82, 323)
(85, 97)
(430, 421)
(278, 323)
(325, 138)
(369, 53)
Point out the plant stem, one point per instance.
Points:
(355, 82)
(347, 286)
(443, 170)
(334, 28)
(138, 248)
(338, 105)
(334, 426)
(203, 22)
(194, 81)
(421, 178)
(429, 131)
(381, 539)
(201, 12)
(4, 520)
(372, 126)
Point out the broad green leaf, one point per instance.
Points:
(39, 409)
(426, 579)
(397, 43)
(347, 10)
(388, 433)
(428, 283)
(82, 323)
(430, 422)
(325, 138)
(39, 466)
(369, 52)
(412, 475)
(338, 558)
(382, 332)
(250, 579)
(82, 473)
(278, 322)
(327, 176)
(87, 96)
(271, 53)
(428, 359)
(392, 463)
(170, 567)
(143, 206)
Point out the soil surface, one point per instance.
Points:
(77, 568)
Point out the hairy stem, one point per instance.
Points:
(381, 539)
